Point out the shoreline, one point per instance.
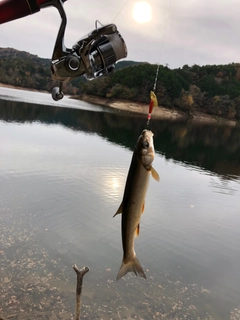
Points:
(134, 107)
(128, 106)
(4, 85)
(159, 112)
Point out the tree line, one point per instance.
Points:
(213, 89)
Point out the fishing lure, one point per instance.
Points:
(153, 103)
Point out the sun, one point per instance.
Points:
(142, 12)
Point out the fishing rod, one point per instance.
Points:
(93, 56)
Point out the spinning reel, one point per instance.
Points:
(93, 56)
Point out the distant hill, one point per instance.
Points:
(212, 89)
(10, 53)
(126, 63)
(21, 68)
(208, 89)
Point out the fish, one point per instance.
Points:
(133, 202)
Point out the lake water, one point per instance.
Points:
(63, 167)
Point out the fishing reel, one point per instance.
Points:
(93, 55)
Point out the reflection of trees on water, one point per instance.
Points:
(212, 147)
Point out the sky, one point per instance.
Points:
(202, 32)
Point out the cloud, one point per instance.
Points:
(181, 32)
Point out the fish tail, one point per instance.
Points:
(132, 266)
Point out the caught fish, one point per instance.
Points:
(133, 202)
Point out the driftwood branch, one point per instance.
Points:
(80, 274)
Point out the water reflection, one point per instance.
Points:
(214, 148)
(61, 181)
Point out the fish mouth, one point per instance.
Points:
(147, 139)
(145, 144)
(147, 147)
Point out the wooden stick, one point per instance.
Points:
(80, 274)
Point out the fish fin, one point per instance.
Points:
(119, 210)
(155, 175)
(132, 266)
(137, 231)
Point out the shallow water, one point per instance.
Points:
(63, 168)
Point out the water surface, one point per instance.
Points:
(62, 174)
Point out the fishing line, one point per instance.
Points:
(153, 98)
(156, 77)
(120, 10)
(165, 25)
